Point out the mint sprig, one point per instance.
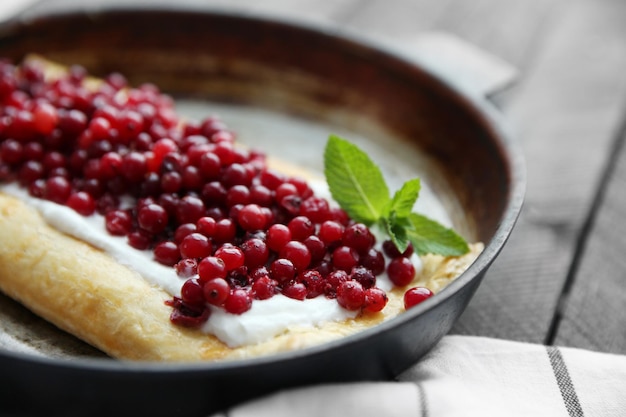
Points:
(358, 186)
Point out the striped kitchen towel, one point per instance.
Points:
(465, 376)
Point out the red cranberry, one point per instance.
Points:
(295, 290)
(271, 179)
(58, 189)
(167, 253)
(316, 247)
(11, 152)
(206, 226)
(191, 292)
(238, 302)
(345, 258)
(211, 267)
(255, 251)
(359, 237)
(416, 295)
(237, 194)
(225, 231)
(183, 231)
(216, 291)
(134, 167)
(301, 228)
(331, 232)
(261, 195)
(45, 118)
(364, 276)
(186, 268)
(375, 300)
(118, 222)
(284, 190)
(195, 245)
(401, 271)
(189, 209)
(171, 182)
(282, 270)
(251, 217)
(374, 261)
(82, 203)
(152, 218)
(313, 282)
(235, 174)
(232, 256)
(297, 253)
(350, 295)
(210, 166)
(264, 288)
(277, 236)
(30, 171)
(139, 240)
(315, 208)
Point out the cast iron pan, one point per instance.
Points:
(312, 74)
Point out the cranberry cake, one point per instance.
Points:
(152, 237)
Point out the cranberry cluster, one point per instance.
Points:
(233, 229)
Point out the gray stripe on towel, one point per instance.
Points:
(423, 405)
(564, 381)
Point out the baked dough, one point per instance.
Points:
(85, 292)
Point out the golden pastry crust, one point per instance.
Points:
(87, 293)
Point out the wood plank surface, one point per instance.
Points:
(569, 97)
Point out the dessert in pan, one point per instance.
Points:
(153, 237)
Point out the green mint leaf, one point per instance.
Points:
(428, 236)
(404, 199)
(397, 231)
(357, 184)
(355, 181)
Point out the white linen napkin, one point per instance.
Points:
(466, 376)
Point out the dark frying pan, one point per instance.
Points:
(307, 74)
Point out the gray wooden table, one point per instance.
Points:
(561, 278)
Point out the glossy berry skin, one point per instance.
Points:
(350, 295)
(251, 217)
(264, 288)
(255, 252)
(211, 267)
(167, 253)
(297, 253)
(238, 302)
(195, 245)
(295, 290)
(152, 218)
(118, 222)
(282, 270)
(216, 291)
(401, 271)
(278, 235)
(345, 258)
(375, 300)
(232, 256)
(416, 295)
(82, 202)
(192, 293)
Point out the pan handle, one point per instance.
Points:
(461, 63)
